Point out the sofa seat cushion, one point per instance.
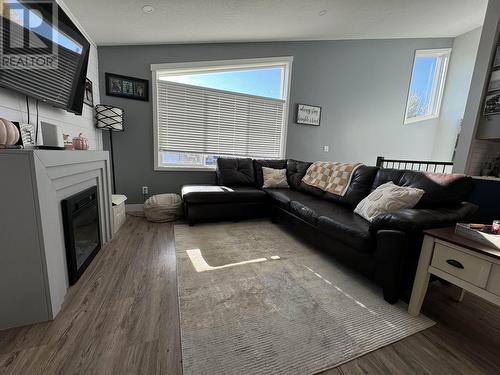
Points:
(205, 194)
(283, 197)
(338, 222)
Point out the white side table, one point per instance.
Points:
(467, 264)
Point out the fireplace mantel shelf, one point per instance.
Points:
(33, 271)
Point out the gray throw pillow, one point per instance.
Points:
(274, 178)
(388, 198)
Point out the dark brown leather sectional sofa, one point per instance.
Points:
(386, 250)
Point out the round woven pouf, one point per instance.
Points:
(163, 207)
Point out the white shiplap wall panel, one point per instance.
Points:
(13, 107)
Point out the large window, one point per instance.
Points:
(427, 84)
(208, 109)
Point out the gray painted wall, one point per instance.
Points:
(361, 85)
(463, 58)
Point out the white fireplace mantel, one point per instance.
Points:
(33, 271)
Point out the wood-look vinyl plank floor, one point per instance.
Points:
(122, 317)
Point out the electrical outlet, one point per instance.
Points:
(326, 148)
(145, 190)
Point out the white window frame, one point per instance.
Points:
(218, 66)
(438, 89)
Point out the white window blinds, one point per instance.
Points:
(200, 120)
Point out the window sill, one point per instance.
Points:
(183, 169)
(414, 120)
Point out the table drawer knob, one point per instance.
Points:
(455, 263)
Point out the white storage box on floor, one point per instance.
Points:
(119, 215)
(163, 207)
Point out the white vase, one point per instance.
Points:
(9, 134)
(3, 133)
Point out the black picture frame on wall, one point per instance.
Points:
(306, 114)
(127, 87)
(88, 97)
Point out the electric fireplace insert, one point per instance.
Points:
(82, 232)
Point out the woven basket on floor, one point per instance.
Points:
(163, 207)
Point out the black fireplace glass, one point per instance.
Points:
(81, 231)
(86, 230)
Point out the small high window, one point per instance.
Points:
(427, 84)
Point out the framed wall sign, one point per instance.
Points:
(27, 135)
(308, 114)
(127, 87)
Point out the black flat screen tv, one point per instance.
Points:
(42, 53)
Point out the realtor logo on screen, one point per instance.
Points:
(29, 36)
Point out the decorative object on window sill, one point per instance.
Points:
(9, 134)
(80, 143)
(88, 96)
(110, 118)
(127, 87)
(492, 104)
(308, 114)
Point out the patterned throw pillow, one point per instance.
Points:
(388, 198)
(274, 178)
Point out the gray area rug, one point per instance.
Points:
(256, 300)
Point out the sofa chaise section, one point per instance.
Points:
(204, 203)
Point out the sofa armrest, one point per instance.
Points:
(417, 219)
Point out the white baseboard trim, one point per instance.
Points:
(134, 207)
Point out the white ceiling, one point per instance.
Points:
(115, 22)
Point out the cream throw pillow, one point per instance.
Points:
(274, 178)
(388, 198)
